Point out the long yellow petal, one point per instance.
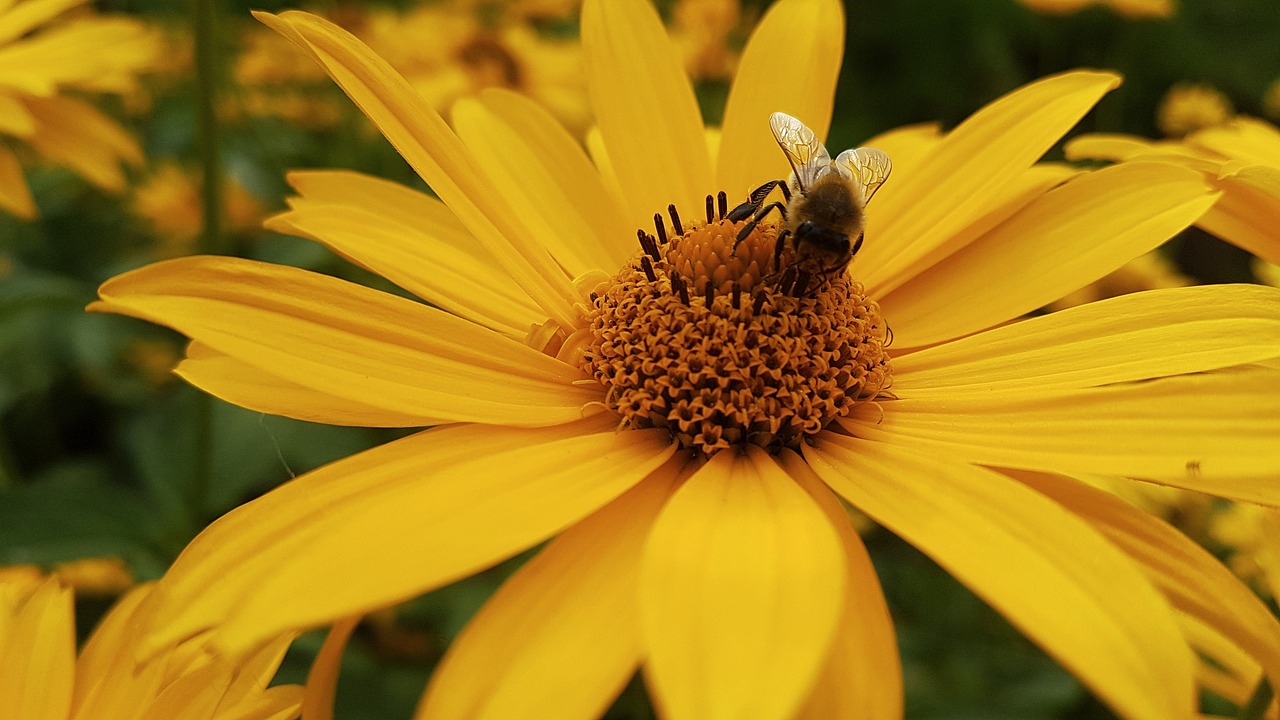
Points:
(1060, 242)
(411, 239)
(109, 683)
(287, 560)
(15, 196)
(1193, 580)
(548, 178)
(1246, 214)
(790, 64)
(73, 133)
(1131, 337)
(322, 681)
(742, 588)
(251, 387)
(914, 214)
(1214, 432)
(427, 143)
(863, 675)
(31, 14)
(348, 340)
(1055, 578)
(908, 146)
(561, 638)
(38, 662)
(645, 108)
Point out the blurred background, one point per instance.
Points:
(109, 464)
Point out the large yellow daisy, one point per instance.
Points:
(682, 430)
(48, 53)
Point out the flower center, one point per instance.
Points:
(695, 334)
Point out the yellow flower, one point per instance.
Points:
(703, 31)
(41, 676)
(46, 51)
(1151, 271)
(734, 579)
(1188, 107)
(1128, 8)
(1241, 159)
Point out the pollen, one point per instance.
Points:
(695, 335)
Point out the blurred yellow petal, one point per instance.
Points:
(351, 341)
(1213, 432)
(1066, 238)
(286, 560)
(1055, 578)
(1121, 339)
(862, 677)
(412, 240)
(800, 83)
(742, 588)
(427, 143)
(15, 196)
(30, 15)
(322, 681)
(913, 216)
(253, 388)
(637, 83)
(1246, 214)
(73, 133)
(1193, 580)
(1247, 140)
(561, 638)
(544, 172)
(15, 119)
(37, 662)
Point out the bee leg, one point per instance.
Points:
(778, 247)
(746, 229)
(801, 284)
(756, 199)
(856, 246)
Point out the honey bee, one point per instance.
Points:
(824, 212)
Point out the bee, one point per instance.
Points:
(824, 213)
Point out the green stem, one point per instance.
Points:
(1258, 703)
(205, 30)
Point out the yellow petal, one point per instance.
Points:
(251, 387)
(39, 654)
(1107, 146)
(1055, 578)
(282, 702)
(30, 15)
(1063, 240)
(863, 675)
(15, 119)
(561, 638)
(1245, 139)
(1214, 433)
(350, 341)
(548, 178)
(73, 133)
(914, 214)
(109, 683)
(322, 681)
(427, 143)
(254, 672)
(1194, 581)
(741, 591)
(411, 239)
(15, 196)
(427, 510)
(908, 146)
(798, 82)
(1246, 214)
(1131, 337)
(645, 108)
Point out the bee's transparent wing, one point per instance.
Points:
(868, 167)
(808, 156)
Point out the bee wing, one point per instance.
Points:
(808, 156)
(868, 167)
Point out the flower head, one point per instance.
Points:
(686, 441)
(46, 50)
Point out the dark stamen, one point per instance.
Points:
(710, 293)
(647, 265)
(759, 304)
(661, 227)
(675, 219)
(737, 292)
(723, 203)
(677, 284)
(711, 209)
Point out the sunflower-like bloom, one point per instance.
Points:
(41, 676)
(1240, 158)
(46, 52)
(682, 430)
